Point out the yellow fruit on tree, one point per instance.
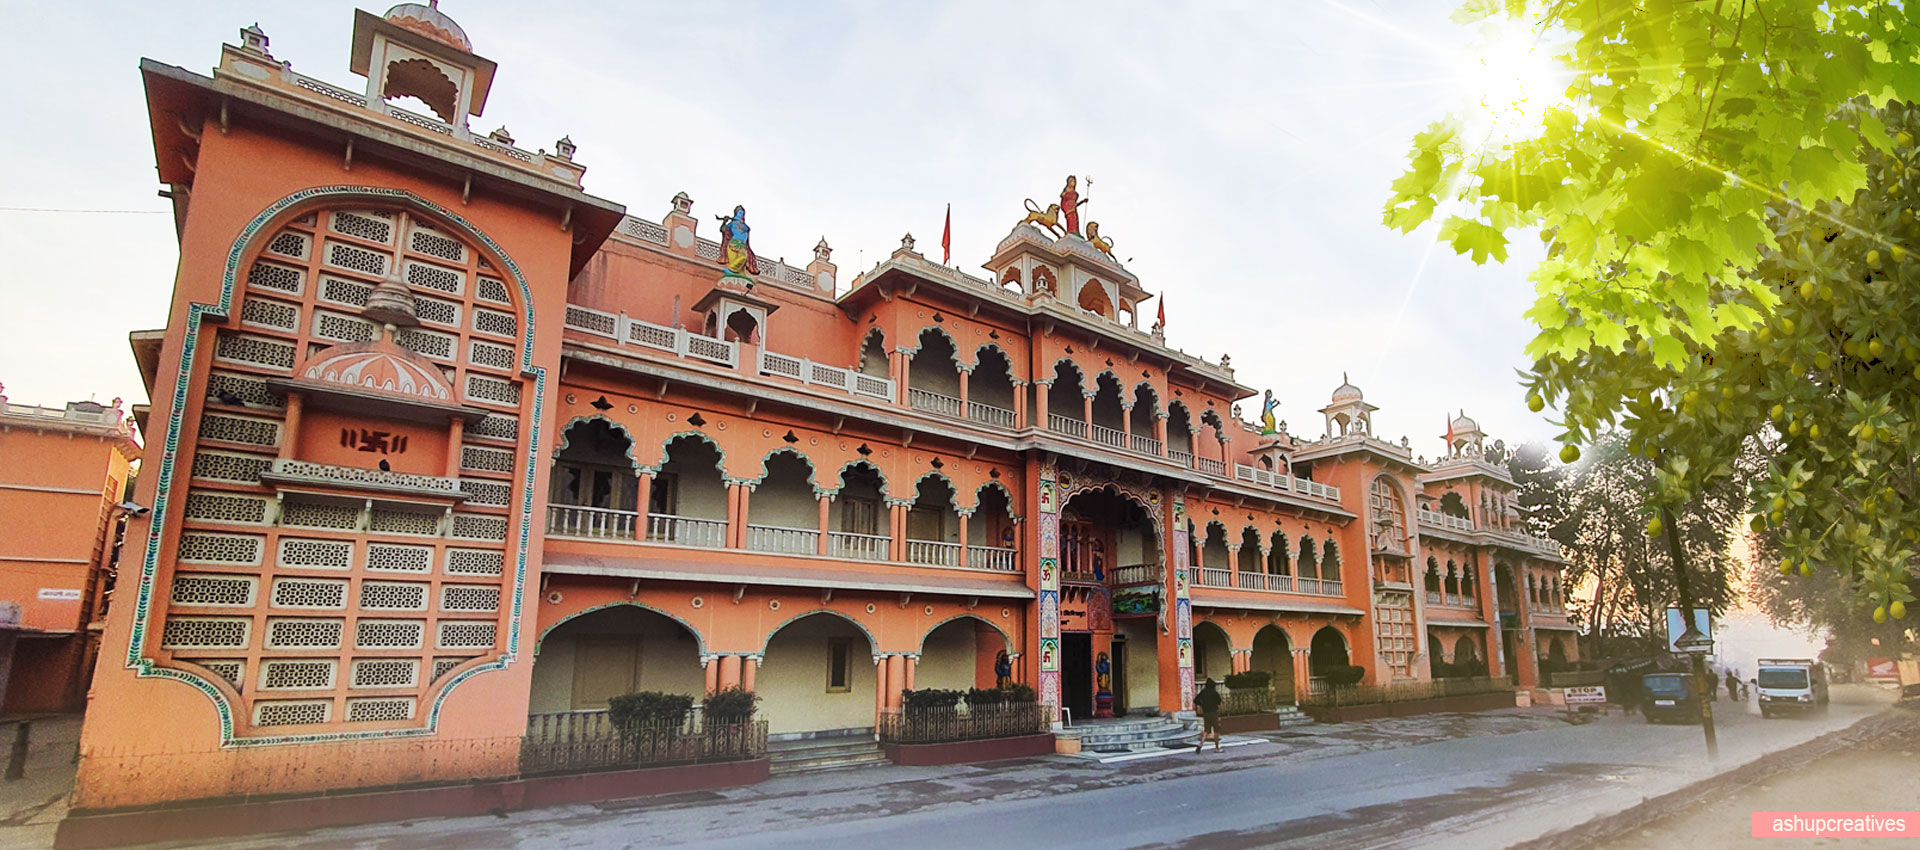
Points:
(1806, 568)
(1814, 430)
(1898, 609)
(1875, 347)
(1786, 566)
(1903, 139)
(1880, 614)
(1898, 253)
(1873, 259)
(1758, 523)
(1653, 527)
(1779, 412)
(1535, 403)
(1569, 453)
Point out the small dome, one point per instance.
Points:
(1463, 423)
(381, 367)
(1346, 391)
(429, 21)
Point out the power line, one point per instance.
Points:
(91, 212)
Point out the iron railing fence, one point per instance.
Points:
(1330, 695)
(578, 741)
(964, 723)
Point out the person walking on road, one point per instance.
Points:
(1733, 685)
(1713, 687)
(1208, 701)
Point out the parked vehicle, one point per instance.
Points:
(1670, 697)
(1791, 686)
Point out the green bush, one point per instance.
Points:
(732, 705)
(983, 697)
(1020, 693)
(1249, 680)
(927, 699)
(1348, 675)
(648, 709)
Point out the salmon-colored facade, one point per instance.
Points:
(443, 443)
(63, 471)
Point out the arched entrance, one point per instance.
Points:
(594, 657)
(1212, 652)
(959, 654)
(817, 675)
(1327, 651)
(1110, 569)
(1273, 653)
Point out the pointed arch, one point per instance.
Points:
(872, 642)
(566, 437)
(699, 640)
(1008, 639)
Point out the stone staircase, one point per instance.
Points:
(813, 755)
(1291, 715)
(1138, 734)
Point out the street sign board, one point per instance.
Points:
(1676, 628)
(1586, 694)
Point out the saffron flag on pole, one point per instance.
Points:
(1163, 310)
(946, 239)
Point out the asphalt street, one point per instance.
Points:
(1479, 789)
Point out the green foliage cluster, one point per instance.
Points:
(1250, 680)
(1348, 675)
(730, 705)
(937, 699)
(648, 709)
(1726, 200)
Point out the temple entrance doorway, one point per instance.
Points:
(1076, 673)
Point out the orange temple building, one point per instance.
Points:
(443, 443)
(63, 473)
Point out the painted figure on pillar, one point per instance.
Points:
(1099, 551)
(1103, 686)
(1003, 670)
(736, 251)
(1268, 427)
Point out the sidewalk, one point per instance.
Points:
(30, 808)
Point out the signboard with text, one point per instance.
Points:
(1586, 695)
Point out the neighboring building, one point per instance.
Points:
(63, 472)
(445, 442)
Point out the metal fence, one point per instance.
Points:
(1573, 678)
(964, 723)
(574, 741)
(1337, 695)
(1252, 700)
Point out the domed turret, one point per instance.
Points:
(429, 21)
(1348, 413)
(1347, 391)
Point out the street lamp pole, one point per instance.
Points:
(1688, 640)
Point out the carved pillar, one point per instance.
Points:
(290, 429)
(456, 432)
(746, 494)
(906, 367)
(1020, 405)
(748, 666)
(1160, 432)
(825, 504)
(964, 516)
(1233, 565)
(734, 518)
(964, 374)
(1302, 673)
(896, 679)
(1126, 424)
(729, 672)
(1086, 417)
(712, 673)
(1040, 390)
(897, 529)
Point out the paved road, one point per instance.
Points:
(1486, 790)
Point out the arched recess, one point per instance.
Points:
(958, 653)
(783, 500)
(935, 368)
(1279, 555)
(1102, 528)
(1108, 410)
(1212, 652)
(1273, 653)
(687, 502)
(993, 524)
(817, 672)
(422, 80)
(1179, 428)
(1327, 651)
(594, 466)
(1213, 553)
(1146, 409)
(933, 522)
(1066, 397)
(1093, 299)
(991, 383)
(857, 519)
(873, 354)
(589, 656)
(1250, 556)
(495, 266)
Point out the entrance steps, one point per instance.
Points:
(1291, 715)
(1135, 734)
(813, 755)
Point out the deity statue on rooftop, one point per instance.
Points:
(736, 252)
(1070, 206)
(1267, 405)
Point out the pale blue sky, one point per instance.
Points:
(1239, 155)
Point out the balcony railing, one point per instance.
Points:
(933, 553)
(1066, 425)
(933, 402)
(859, 547)
(1267, 581)
(783, 541)
(1109, 436)
(1181, 457)
(993, 558)
(821, 375)
(687, 531)
(998, 417)
(678, 341)
(1444, 520)
(1212, 577)
(597, 523)
(1136, 574)
(1211, 467)
(1145, 445)
(1283, 481)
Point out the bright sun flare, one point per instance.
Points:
(1512, 79)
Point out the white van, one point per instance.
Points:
(1791, 686)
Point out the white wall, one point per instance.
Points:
(784, 499)
(669, 656)
(792, 680)
(948, 657)
(1143, 663)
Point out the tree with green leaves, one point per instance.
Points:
(1726, 192)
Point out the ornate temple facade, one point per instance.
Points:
(443, 442)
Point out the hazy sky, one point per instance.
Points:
(1239, 156)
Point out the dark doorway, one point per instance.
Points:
(1076, 673)
(1119, 677)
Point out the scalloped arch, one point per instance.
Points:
(720, 464)
(840, 476)
(1008, 494)
(1053, 372)
(872, 642)
(958, 617)
(566, 432)
(699, 640)
(813, 471)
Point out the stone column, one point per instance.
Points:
(749, 665)
(897, 528)
(825, 503)
(879, 688)
(729, 672)
(1020, 405)
(964, 515)
(1160, 432)
(1126, 424)
(746, 495)
(712, 671)
(456, 432)
(290, 429)
(964, 374)
(1233, 564)
(912, 664)
(1040, 390)
(906, 367)
(1302, 673)
(643, 497)
(1086, 417)
(896, 679)
(734, 518)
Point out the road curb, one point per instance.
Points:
(1659, 808)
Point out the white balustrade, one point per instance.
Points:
(933, 553)
(1181, 457)
(933, 402)
(595, 523)
(1215, 577)
(998, 417)
(1145, 445)
(1066, 425)
(859, 547)
(1211, 466)
(1276, 583)
(1109, 436)
(993, 558)
(783, 541)
(687, 531)
(1136, 574)
(820, 374)
(1310, 586)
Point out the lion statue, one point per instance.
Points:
(1048, 218)
(1104, 245)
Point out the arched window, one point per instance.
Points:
(1389, 519)
(1277, 555)
(1309, 565)
(1433, 579)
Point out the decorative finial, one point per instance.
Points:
(682, 204)
(565, 148)
(906, 242)
(822, 251)
(502, 136)
(254, 40)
